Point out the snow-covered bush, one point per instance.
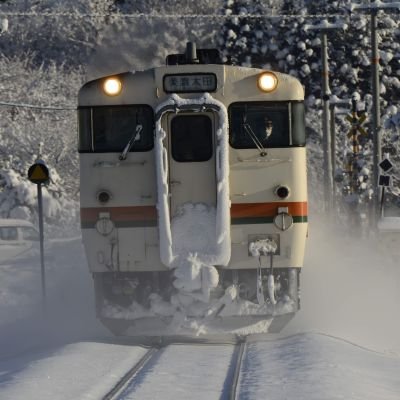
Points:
(25, 132)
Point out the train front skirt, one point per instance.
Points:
(188, 313)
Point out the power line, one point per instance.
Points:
(169, 16)
(39, 107)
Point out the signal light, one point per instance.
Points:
(112, 86)
(267, 82)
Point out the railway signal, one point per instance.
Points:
(356, 130)
(356, 124)
(386, 165)
(38, 173)
(384, 180)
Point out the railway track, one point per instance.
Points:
(117, 391)
(159, 367)
(237, 365)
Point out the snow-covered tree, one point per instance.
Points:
(242, 38)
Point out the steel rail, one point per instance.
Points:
(236, 374)
(123, 383)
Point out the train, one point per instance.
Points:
(193, 194)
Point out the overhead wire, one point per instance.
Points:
(40, 107)
(169, 16)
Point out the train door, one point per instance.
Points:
(191, 148)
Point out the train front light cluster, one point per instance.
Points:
(112, 86)
(267, 82)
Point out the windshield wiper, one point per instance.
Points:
(134, 138)
(255, 139)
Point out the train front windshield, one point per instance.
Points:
(109, 129)
(266, 125)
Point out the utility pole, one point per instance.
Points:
(373, 8)
(324, 27)
(345, 104)
(328, 183)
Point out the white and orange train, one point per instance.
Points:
(189, 165)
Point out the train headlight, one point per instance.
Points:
(282, 192)
(112, 86)
(103, 196)
(267, 82)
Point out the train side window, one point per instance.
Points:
(105, 129)
(298, 124)
(191, 138)
(258, 124)
(84, 130)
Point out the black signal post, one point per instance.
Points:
(38, 173)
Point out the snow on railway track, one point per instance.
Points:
(83, 370)
(305, 366)
(202, 369)
(127, 379)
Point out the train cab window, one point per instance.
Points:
(110, 128)
(191, 138)
(263, 125)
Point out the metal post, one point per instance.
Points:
(41, 236)
(376, 115)
(326, 141)
(324, 26)
(333, 150)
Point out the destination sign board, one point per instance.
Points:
(189, 83)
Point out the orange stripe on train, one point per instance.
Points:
(242, 210)
(134, 213)
(238, 210)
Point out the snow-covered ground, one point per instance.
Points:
(69, 306)
(305, 366)
(344, 343)
(83, 370)
(317, 367)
